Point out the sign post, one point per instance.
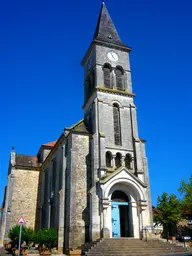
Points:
(20, 222)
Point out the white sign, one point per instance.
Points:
(21, 221)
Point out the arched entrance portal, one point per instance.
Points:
(121, 216)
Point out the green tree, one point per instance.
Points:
(186, 190)
(168, 212)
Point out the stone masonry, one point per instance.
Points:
(73, 183)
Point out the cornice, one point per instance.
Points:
(115, 91)
(28, 168)
(102, 88)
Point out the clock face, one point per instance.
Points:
(112, 56)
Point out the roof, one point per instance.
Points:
(26, 160)
(50, 144)
(80, 127)
(105, 30)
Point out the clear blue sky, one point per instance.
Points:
(41, 46)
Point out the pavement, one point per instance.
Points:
(177, 254)
(3, 252)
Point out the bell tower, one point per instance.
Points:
(110, 112)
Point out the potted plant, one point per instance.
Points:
(27, 236)
(46, 239)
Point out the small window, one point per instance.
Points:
(54, 175)
(128, 161)
(108, 159)
(46, 185)
(118, 160)
(60, 176)
(119, 78)
(107, 75)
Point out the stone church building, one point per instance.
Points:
(92, 182)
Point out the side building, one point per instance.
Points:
(22, 190)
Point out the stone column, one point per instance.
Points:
(113, 161)
(135, 220)
(132, 164)
(105, 205)
(123, 161)
(113, 78)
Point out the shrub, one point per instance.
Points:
(27, 235)
(46, 237)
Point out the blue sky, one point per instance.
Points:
(41, 46)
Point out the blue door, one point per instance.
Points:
(119, 219)
(115, 219)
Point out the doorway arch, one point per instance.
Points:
(121, 215)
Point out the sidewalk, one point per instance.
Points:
(3, 252)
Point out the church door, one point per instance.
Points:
(120, 215)
(115, 220)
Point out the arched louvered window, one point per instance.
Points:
(108, 159)
(107, 75)
(118, 160)
(128, 161)
(117, 126)
(119, 78)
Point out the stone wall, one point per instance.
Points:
(24, 198)
(78, 211)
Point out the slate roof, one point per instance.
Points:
(80, 127)
(105, 30)
(26, 161)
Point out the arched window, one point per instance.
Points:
(108, 159)
(117, 126)
(107, 75)
(118, 160)
(119, 78)
(128, 161)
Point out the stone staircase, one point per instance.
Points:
(133, 247)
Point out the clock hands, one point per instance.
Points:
(113, 56)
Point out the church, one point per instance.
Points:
(93, 181)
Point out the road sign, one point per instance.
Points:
(21, 221)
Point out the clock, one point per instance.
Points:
(112, 56)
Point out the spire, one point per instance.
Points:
(105, 30)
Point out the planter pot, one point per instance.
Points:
(24, 252)
(15, 252)
(75, 252)
(46, 252)
(173, 238)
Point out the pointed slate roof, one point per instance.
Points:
(105, 30)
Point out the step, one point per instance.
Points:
(131, 254)
(134, 254)
(140, 250)
(134, 247)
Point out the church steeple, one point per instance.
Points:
(105, 30)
